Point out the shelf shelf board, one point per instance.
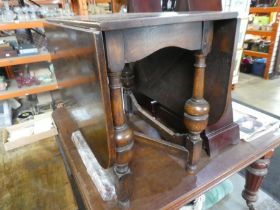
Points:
(256, 54)
(25, 59)
(21, 25)
(13, 90)
(260, 33)
(264, 9)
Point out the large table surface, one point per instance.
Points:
(159, 178)
(134, 20)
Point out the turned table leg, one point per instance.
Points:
(196, 114)
(254, 178)
(123, 139)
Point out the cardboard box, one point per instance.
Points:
(27, 132)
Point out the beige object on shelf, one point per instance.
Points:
(41, 127)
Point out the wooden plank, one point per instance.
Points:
(25, 59)
(21, 25)
(13, 91)
(259, 33)
(264, 9)
(256, 54)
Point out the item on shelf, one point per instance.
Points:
(246, 65)
(7, 51)
(261, 20)
(259, 66)
(43, 74)
(25, 115)
(264, 46)
(11, 40)
(264, 3)
(268, 27)
(5, 114)
(3, 83)
(248, 44)
(41, 127)
(24, 79)
(255, 45)
(7, 13)
(27, 49)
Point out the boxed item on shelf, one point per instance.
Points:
(7, 51)
(41, 127)
(27, 49)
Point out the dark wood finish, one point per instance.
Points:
(138, 20)
(159, 177)
(196, 114)
(254, 178)
(198, 5)
(144, 6)
(125, 42)
(69, 56)
(123, 139)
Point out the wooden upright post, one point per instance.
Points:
(196, 114)
(123, 138)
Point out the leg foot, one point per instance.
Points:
(254, 178)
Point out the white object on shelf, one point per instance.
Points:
(41, 127)
(5, 114)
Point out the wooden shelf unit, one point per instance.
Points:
(14, 91)
(260, 33)
(264, 9)
(21, 25)
(272, 34)
(19, 60)
(256, 54)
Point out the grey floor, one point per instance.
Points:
(265, 95)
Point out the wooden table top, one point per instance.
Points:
(134, 20)
(159, 178)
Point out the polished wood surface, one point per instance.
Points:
(159, 178)
(132, 37)
(123, 41)
(254, 178)
(34, 177)
(198, 5)
(196, 111)
(137, 20)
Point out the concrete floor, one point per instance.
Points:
(265, 95)
(255, 91)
